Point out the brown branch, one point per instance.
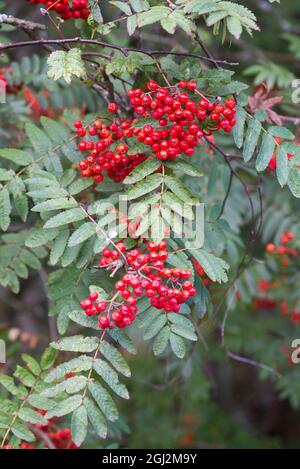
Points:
(123, 50)
(28, 26)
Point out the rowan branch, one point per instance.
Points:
(124, 50)
(27, 26)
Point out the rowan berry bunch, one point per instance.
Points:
(285, 250)
(184, 119)
(60, 438)
(182, 123)
(145, 274)
(117, 162)
(268, 289)
(66, 9)
(4, 86)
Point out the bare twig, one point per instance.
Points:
(27, 26)
(123, 50)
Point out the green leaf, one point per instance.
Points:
(19, 157)
(131, 24)
(161, 341)
(142, 170)
(96, 418)
(96, 13)
(24, 376)
(176, 205)
(124, 7)
(239, 129)
(31, 364)
(105, 371)
(30, 259)
(82, 233)
(63, 218)
(48, 193)
(79, 425)
(282, 132)
(55, 204)
(58, 247)
(40, 402)
(177, 345)
(145, 186)
(139, 5)
(22, 432)
(29, 415)
(86, 321)
(155, 326)
(64, 407)
(265, 153)
(294, 181)
(234, 26)
(76, 343)
(115, 358)
(122, 338)
(104, 401)
(38, 237)
(5, 209)
(48, 358)
(169, 24)
(9, 384)
(213, 266)
(184, 167)
(185, 332)
(65, 64)
(70, 386)
(21, 204)
(6, 174)
(82, 363)
(153, 15)
(252, 137)
(282, 164)
(79, 185)
(179, 189)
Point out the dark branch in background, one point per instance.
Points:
(205, 49)
(33, 30)
(123, 50)
(248, 361)
(250, 245)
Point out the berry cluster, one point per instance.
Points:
(65, 9)
(117, 163)
(184, 119)
(284, 249)
(4, 86)
(60, 438)
(266, 287)
(270, 295)
(146, 274)
(182, 122)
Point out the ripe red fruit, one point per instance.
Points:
(112, 107)
(93, 296)
(103, 322)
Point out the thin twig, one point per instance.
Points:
(124, 50)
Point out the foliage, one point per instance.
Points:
(56, 224)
